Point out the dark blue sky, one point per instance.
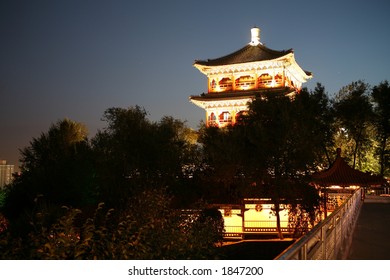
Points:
(75, 59)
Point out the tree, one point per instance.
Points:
(131, 170)
(149, 229)
(354, 116)
(283, 134)
(289, 135)
(134, 153)
(270, 150)
(56, 167)
(316, 122)
(122, 151)
(381, 98)
(224, 154)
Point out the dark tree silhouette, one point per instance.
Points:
(57, 169)
(381, 97)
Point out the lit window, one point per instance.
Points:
(225, 84)
(265, 80)
(245, 82)
(212, 119)
(225, 117)
(213, 85)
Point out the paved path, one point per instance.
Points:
(371, 239)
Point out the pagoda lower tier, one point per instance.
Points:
(223, 109)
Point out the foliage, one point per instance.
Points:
(150, 229)
(56, 166)
(354, 115)
(290, 136)
(144, 171)
(278, 143)
(2, 197)
(304, 207)
(225, 155)
(3, 223)
(315, 117)
(381, 99)
(133, 153)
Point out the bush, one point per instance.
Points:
(149, 229)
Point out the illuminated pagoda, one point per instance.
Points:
(236, 79)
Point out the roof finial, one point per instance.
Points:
(338, 151)
(255, 36)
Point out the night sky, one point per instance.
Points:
(76, 59)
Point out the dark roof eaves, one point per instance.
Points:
(241, 94)
(229, 59)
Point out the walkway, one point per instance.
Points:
(371, 238)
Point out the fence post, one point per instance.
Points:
(323, 249)
(335, 236)
(303, 255)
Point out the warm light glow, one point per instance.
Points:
(246, 75)
(253, 218)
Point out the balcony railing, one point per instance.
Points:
(255, 227)
(329, 239)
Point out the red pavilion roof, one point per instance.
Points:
(341, 174)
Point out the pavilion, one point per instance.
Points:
(341, 175)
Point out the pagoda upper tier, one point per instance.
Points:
(253, 66)
(237, 78)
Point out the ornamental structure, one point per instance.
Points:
(236, 79)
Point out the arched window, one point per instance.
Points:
(212, 119)
(245, 82)
(213, 85)
(278, 80)
(265, 80)
(225, 117)
(225, 84)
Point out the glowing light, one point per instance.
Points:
(253, 218)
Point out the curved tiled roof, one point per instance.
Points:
(341, 174)
(249, 53)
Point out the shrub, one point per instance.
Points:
(149, 229)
